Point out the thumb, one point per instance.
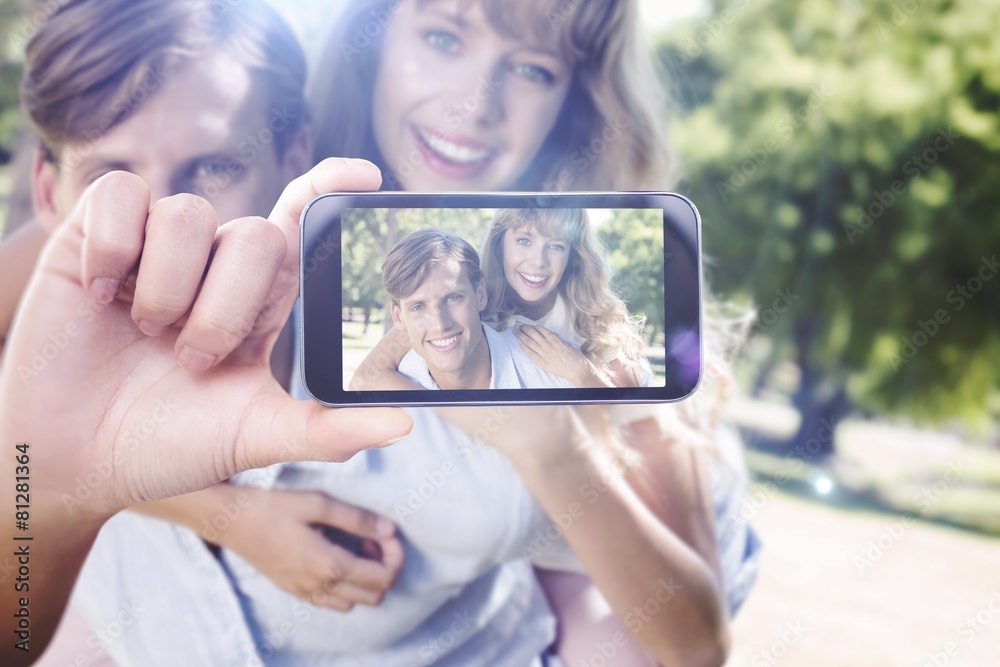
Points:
(282, 429)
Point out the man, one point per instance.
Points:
(194, 98)
(437, 291)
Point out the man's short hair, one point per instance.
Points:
(410, 261)
(93, 62)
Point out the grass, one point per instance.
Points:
(885, 467)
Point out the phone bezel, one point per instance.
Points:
(320, 314)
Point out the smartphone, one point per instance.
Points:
(539, 256)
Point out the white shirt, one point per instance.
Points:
(511, 367)
(467, 522)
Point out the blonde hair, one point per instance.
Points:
(599, 315)
(614, 86)
(610, 134)
(93, 62)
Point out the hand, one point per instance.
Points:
(544, 435)
(278, 534)
(186, 398)
(558, 357)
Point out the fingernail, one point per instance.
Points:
(384, 527)
(150, 329)
(104, 289)
(196, 361)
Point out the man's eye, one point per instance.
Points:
(443, 41)
(534, 73)
(455, 297)
(214, 169)
(416, 307)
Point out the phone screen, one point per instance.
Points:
(501, 298)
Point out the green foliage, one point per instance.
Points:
(15, 30)
(635, 243)
(370, 234)
(848, 151)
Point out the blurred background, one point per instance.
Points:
(845, 156)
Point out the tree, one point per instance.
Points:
(635, 240)
(845, 156)
(369, 235)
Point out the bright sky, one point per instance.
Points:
(658, 14)
(310, 16)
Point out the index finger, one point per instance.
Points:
(330, 175)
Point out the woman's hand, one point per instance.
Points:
(280, 534)
(558, 357)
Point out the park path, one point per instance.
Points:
(840, 588)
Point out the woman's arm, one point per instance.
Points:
(623, 375)
(643, 531)
(379, 368)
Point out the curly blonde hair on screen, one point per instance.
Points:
(600, 317)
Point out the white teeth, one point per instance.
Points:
(454, 152)
(534, 279)
(443, 343)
